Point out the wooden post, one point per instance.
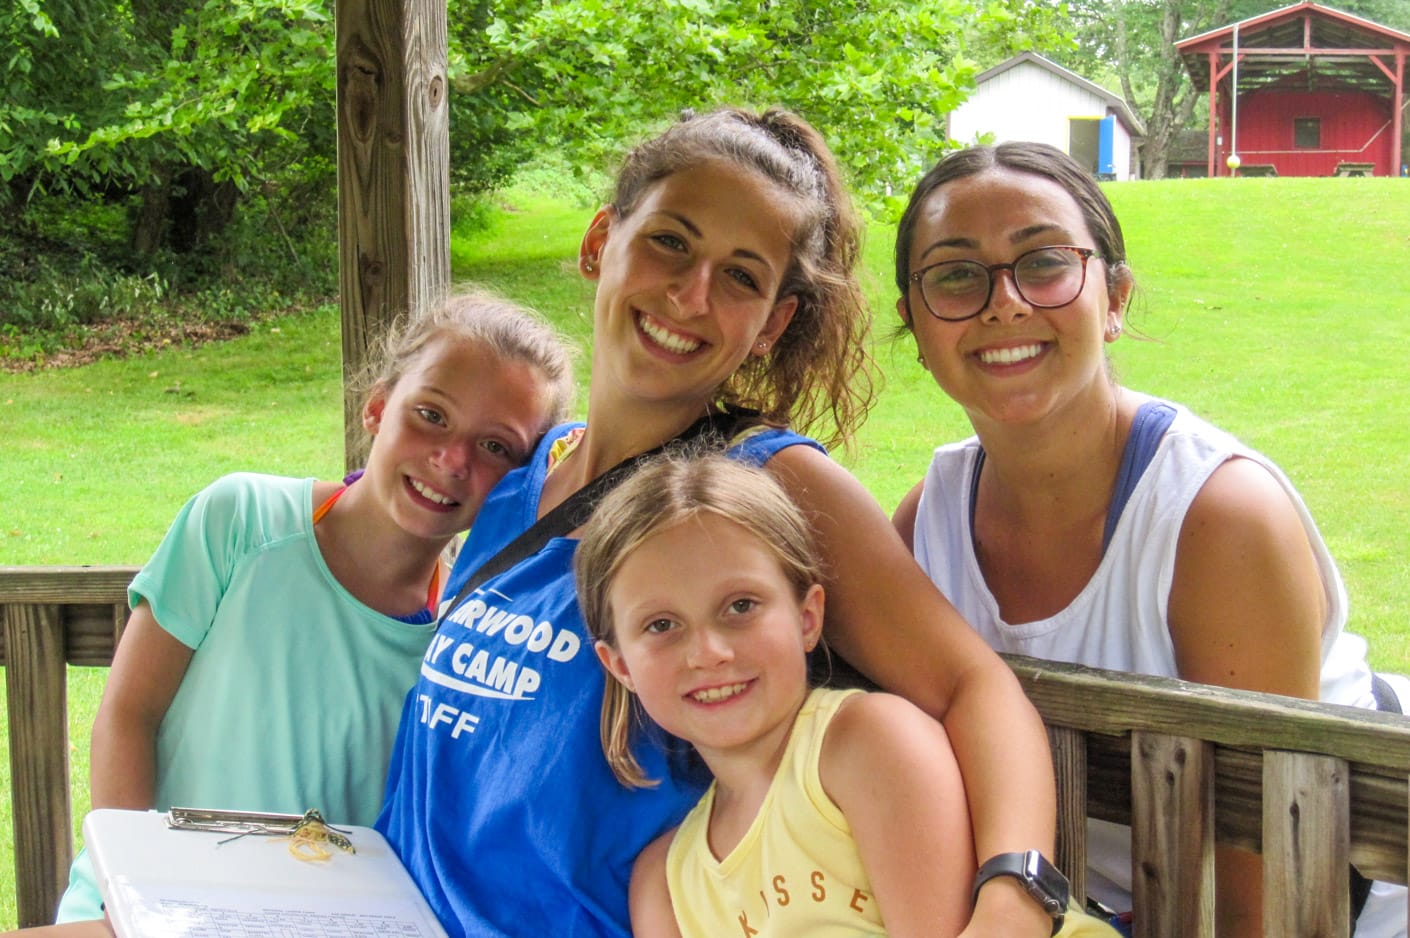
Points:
(393, 176)
(1213, 154)
(1397, 110)
(37, 694)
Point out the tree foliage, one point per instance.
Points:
(876, 76)
(185, 106)
(184, 110)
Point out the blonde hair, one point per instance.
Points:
(510, 331)
(819, 377)
(668, 490)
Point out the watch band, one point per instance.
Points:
(1042, 881)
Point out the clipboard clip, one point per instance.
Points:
(306, 832)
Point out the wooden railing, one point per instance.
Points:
(1314, 786)
(50, 617)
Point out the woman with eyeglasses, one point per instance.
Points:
(1084, 521)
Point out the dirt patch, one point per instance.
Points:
(119, 338)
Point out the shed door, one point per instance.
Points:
(1106, 147)
(1084, 141)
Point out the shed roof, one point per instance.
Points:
(1114, 101)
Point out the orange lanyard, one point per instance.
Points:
(433, 590)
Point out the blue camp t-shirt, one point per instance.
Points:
(499, 799)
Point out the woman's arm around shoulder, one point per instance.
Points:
(888, 620)
(649, 896)
(883, 613)
(890, 770)
(147, 669)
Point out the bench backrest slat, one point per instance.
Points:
(37, 701)
(1172, 843)
(1306, 844)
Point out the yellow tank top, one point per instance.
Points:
(795, 872)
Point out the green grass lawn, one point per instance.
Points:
(1277, 308)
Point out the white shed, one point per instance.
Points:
(1031, 98)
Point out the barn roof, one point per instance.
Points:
(1303, 45)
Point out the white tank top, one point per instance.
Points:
(1119, 619)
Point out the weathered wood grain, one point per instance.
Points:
(1098, 701)
(1306, 841)
(1172, 836)
(393, 177)
(36, 695)
(1070, 767)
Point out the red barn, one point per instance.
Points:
(1302, 91)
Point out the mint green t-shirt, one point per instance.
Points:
(294, 691)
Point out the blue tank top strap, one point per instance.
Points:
(760, 443)
(1152, 419)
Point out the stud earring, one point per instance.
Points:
(761, 346)
(1114, 330)
(920, 357)
(587, 266)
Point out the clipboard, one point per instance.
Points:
(193, 873)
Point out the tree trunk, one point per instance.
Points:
(200, 209)
(149, 227)
(1174, 96)
(185, 208)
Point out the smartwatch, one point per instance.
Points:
(1040, 879)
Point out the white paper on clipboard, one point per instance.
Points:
(163, 883)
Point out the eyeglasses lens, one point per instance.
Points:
(1045, 278)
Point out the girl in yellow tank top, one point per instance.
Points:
(832, 813)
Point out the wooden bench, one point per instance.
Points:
(1355, 169)
(1258, 169)
(1314, 786)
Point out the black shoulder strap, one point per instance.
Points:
(574, 511)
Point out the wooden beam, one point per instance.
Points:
(1397, 157)
(91, 603)
(1093, 700)
(393, 177)
(64, 585)
(1212, 153)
